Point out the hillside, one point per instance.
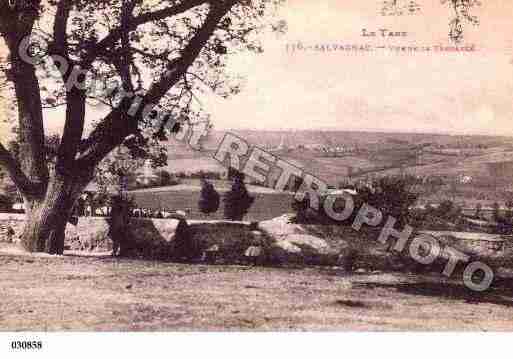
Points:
(371, 153)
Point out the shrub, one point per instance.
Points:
(445, 209)
(164, 178)
(237, 201)
(186, 247)
(209, 198)
(391, 195)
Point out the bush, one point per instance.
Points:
(209, 198)
(445, 216)
(164, 178)
(186, 246)
(391, 195)
(237, 201)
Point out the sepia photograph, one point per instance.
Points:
(253, 167)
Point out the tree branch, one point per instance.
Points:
(125, 60)
(190, 53)
(114, 128)
(60, 44)
(116, 33)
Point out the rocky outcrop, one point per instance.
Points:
(291, 243)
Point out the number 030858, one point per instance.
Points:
(26, 345)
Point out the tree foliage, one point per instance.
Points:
(237, 201)
(114, 169)
(167, 52)
(462, 15)
(209, 198)
(392, 195)
(143, 65)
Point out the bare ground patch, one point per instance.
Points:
(101, 293)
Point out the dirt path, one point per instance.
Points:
(102, 293)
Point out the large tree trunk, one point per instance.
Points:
(46, 217)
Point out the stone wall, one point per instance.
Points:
(149, 238)
(278, 240)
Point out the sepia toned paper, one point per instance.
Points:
(403, 108)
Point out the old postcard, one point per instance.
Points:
(255, 165)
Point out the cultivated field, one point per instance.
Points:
(269, 204)
(374, 155)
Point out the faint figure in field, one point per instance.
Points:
(210, 254)
(119, 220)
(88, 204)
(80, 207)
(255, 254)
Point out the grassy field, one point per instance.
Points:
(41, 293)
(267, 205)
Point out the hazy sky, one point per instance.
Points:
(380, 90)
(422, 92)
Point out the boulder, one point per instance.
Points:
(309, 242)
(281, 226)
(303, 248)
(290, 242)
(287, 247)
